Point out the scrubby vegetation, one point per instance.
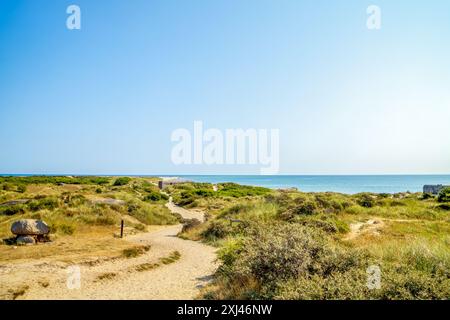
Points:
(70, 204)
(135, 251)
(444, 195)
(294, 245)
(192, 194)
(272, 244)
(123, 181)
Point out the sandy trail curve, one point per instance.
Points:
(181, 279)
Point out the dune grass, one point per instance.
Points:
(260, 257)
(76, 210)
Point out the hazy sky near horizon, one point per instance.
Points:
(105, 99)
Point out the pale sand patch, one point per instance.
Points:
(372, 226)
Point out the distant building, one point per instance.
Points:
(164, 183)
(433, 188)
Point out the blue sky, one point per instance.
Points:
(105, 99)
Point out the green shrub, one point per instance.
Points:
(155, 196)
(397, 283)
(278, 252)
(328, 224)
(238, 191)
(344, 286)
(308, 207)
(218, 229)
(185, 198)
(272, 255)
(228, 254)
(12, 210)
(122, 181)
(426, 196)
(406, 283)
(328, 204)
(366, 201)
(283, 200)
(39, 203)
(444, 195)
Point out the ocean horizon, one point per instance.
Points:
(349, 184)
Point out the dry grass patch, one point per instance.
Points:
(146, 267)
(106, 276)
(135, 251)
(174, 256)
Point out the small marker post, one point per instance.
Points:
(121, 229)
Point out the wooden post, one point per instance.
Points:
(121, 229)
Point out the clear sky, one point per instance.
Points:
(105, 99)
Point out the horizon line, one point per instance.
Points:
(217, 174)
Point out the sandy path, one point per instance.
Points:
(371, 226)
(181, 279)
(187, 214)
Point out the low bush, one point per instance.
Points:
(122, 181)
(327, 224)
(308, 207)
(366, 200)
(12, 210)
(39, 203)
(274, 254)
(219, 229)
(155, 196)
(426, 196)
(444, 195)
(396, 282)
(237, 191)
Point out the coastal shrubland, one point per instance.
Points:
(285, 244)
(271, 244)
(74, 209)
